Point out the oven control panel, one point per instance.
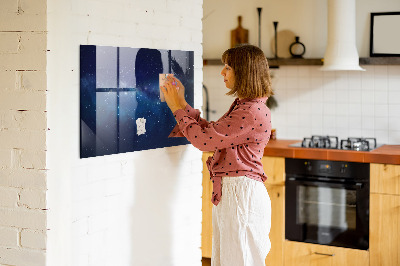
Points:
(325, 167)
(338, 169)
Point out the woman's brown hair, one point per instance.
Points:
(250, 66)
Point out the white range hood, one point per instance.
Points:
(341, 51)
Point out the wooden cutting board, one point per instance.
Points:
(239, 35)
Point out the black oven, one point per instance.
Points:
(327, 202)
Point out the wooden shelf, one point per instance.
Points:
(380, 61)
(273, 63)
(212, 62)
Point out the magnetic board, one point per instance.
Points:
(121, 109)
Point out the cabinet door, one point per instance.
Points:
(304, 254)
(206, 225)
(384, 230)
(277, 233)
(385, 178)
(274, 168)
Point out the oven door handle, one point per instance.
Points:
(357, 185)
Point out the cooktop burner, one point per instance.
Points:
(332, 142)
(358, 144)
(328, 142)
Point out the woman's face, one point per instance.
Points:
(229, 76)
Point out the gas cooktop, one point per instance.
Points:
(332, 142)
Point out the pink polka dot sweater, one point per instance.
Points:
(238, 139)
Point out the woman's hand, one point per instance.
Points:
(174, 97)
(181, 92)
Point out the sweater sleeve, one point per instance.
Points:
(232, 130)
(193, 113)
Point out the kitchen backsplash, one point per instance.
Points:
(314, 102)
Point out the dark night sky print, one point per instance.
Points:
(119, 85)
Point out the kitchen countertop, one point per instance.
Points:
(389, 154)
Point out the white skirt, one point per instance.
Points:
(241, 223)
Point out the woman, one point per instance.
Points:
(242, 208)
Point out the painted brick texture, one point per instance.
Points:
(23, 218)
(33, 239)
(140, 208)
(114, 210)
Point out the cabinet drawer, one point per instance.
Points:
(297, 254)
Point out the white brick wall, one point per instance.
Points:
(11, 256)
(9, 237)
(140, 208)
(23, 178)
(23, 132)
(33, 239)
(112, 210)
(8, 197)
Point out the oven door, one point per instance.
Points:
(327, 213)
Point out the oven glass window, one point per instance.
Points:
(326, 207)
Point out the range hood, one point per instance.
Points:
(341, 51)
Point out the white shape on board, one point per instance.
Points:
(141, 126)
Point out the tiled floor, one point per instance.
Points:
(206, 261)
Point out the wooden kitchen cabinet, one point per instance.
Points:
(385, 215)
(277, 233)
(384, 236)
(385, 178)
(274, 168)
(305, 254)
(206, 225)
